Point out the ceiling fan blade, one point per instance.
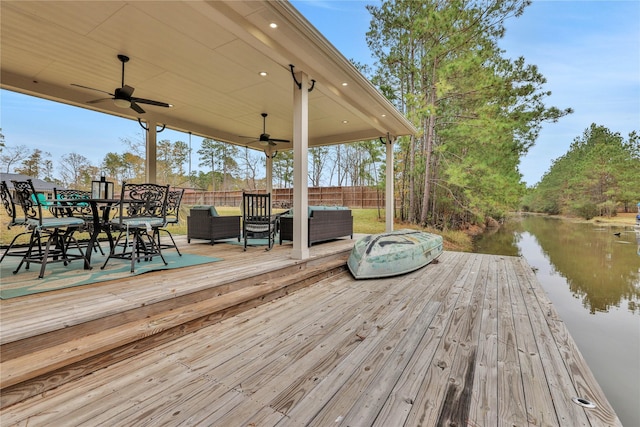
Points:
(95, 101)
(92, 88)
(278, 140)
(135, 107)
(150, 102)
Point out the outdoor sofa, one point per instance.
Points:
(325, 223)
(204, 222)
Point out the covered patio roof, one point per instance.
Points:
(220, 64)
(203, 57)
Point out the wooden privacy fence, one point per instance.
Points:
(352, 197)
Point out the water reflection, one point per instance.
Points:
(601, 268)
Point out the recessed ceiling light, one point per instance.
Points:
(263, 73)
(273, 25)
(345, 84)
(344, 122)
(384, 115)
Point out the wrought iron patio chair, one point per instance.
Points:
(58, 232)
(81, 210)
(257, 221)
(172, 218)
(142, 212)
(14, 220)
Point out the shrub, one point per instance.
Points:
(586, 210)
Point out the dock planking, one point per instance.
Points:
(469, 340)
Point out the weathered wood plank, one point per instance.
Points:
(385, 376)
(400, 400)
(342, 330)
(45, 409)
(458, 396)
(510, 392)
(559, 385)
(538, 399)
(484, 405)
(305, 400)
(429, 401)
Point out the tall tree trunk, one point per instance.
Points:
(412, 184)
(428, 144)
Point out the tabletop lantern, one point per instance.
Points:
(102, 189)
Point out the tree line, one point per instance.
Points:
(478, 113)
(221, 166)
(597, 176)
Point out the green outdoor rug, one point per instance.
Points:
(59, 276)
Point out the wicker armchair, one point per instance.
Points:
(204, 222)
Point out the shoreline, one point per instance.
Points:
(620, 220)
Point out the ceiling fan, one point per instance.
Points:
(265, 138)
(122, 96)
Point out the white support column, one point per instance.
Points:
(269, 153)
(300, 167)
(390, 184)
(152, 153)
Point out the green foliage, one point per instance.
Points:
(478, 113)
(219, 157)
(597, 175)
(283, 169)
(585, 209)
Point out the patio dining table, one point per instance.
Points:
(101, 215)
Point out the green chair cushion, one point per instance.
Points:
(56, 222)
(211, 209)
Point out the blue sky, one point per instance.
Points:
(589, 52)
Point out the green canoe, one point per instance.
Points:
(393, 253)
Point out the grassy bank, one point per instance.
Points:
(365, 221)
(620, 220)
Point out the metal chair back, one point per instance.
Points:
(77, 209)
(31, 204)
(172, 217)
(174, 200)
(10, 206)
(143, 202)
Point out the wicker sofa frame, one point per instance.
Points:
(324, 225)
(203, 224)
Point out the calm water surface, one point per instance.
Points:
(592, 277)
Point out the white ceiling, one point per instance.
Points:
(201, 56)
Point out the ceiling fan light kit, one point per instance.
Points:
(122, 103)
(265, 139)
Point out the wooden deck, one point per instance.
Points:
(471, 340)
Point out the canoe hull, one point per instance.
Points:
(394, 253)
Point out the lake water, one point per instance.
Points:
(592, 276)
